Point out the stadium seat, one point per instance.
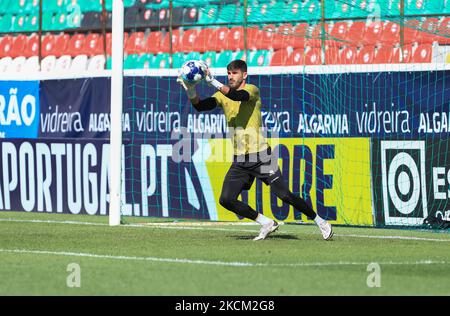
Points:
(63, 63)
(32, 46)
(264, 11)
(372, 33)
(444, 31)
(79, 63)
(96, 63)
(428, 31)
(32, 65)
(18, 46)
(178, 59)
(6, 43)
(210, 58)
(154, 42)
(19, 23)
(17, 65)
(296, 58)
(348, 56)
(402, 55)
(189, 40)
(130, 61)
(202, 40)
(253, 37)
(234, 39)
(315, 35)
(131, 17)
(339, 31)
(145, 61)
(365, 55)
(332, 55)
(208, 15)
(288, 35)
(93, 45)
(5, 23)
(176, 40)
(161, 61)
(228, 13)
(4, 63)
(224, 58)
(192, 56)
(259, 59)
(48, 63)
(75, 46)
(411, 31)
(313, 56)
(189, 15)
(109, 42)
(423, 7)
(279, 57)
(135, 43)
(423, 54)
(91, 20)
(267, 36)
(355, 34)
(217, 39)
(390, 34)
(383, 55)
(310, 10)
(241, 54)
(55, 5)
(31, 22)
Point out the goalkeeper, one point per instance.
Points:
(241, 104)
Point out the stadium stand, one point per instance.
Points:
(278, 32)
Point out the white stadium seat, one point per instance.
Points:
(63, 63)
(48, 63)
(17, 65)
(79, 63)
(4, 63)
(32, 65)
(97, 63)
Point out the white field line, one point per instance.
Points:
(216, 263)
(169, 226)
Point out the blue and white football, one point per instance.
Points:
(193, 71)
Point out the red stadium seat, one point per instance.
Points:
(235, 38)
(339, 31)
(93, 45)
(253, 37)
(428, 31)
(75, 45)
(203, 39)
(332, 55)
(284, 37)
(383, 55)
(411, 31)
(279, 57)
(268, 34)
(299, 36)
(397, 57)
(444, 31)
(423, 54)
(348, 56)
(189, 40)
(313, 56)
(32, 48)
(296, 58)
(315, 38)
(391, 34)
(154, 42)
(373, 33)
(217, 39)
(109, 42)
(18, 46)
(365, 55)
(6, 43)
(356, 32)
(135, 43)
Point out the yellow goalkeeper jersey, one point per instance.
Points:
(244, 120)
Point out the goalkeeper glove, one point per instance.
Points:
(209, 78)
(188, 87)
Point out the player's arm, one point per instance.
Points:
(233, 94)
(200, 105)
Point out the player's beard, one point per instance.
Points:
(235, 84)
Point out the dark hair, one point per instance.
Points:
(237, 64)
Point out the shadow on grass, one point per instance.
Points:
(284, 236)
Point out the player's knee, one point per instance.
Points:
(226, 202)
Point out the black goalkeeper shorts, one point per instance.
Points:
(245, 168)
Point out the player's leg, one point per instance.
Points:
(236, 180)
(281, 190)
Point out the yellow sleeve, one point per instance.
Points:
(218, 96)
(252, 90)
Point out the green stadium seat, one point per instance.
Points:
(4, 5)
(266, 11)
(224, 58)
(418, 7)
(19, 23)
(90, 5)
(309, 10)
(32, 22)
(193, 56)
(242, 55)
(31, 6)
(210, 58)
(145, 61)
(161, 61)
(178, 60)
(229, 13)
(208, 15)
(5, 23)
(130, 61)
(446, 9)
(47, 21)
(259, 59)
(55, 5)
(108, 62)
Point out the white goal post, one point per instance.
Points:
(116, 113)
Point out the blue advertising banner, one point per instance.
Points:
(407, 104)
(19, 109)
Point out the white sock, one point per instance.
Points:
(261, 219)
(319, 220)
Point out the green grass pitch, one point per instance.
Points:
(134, 259)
